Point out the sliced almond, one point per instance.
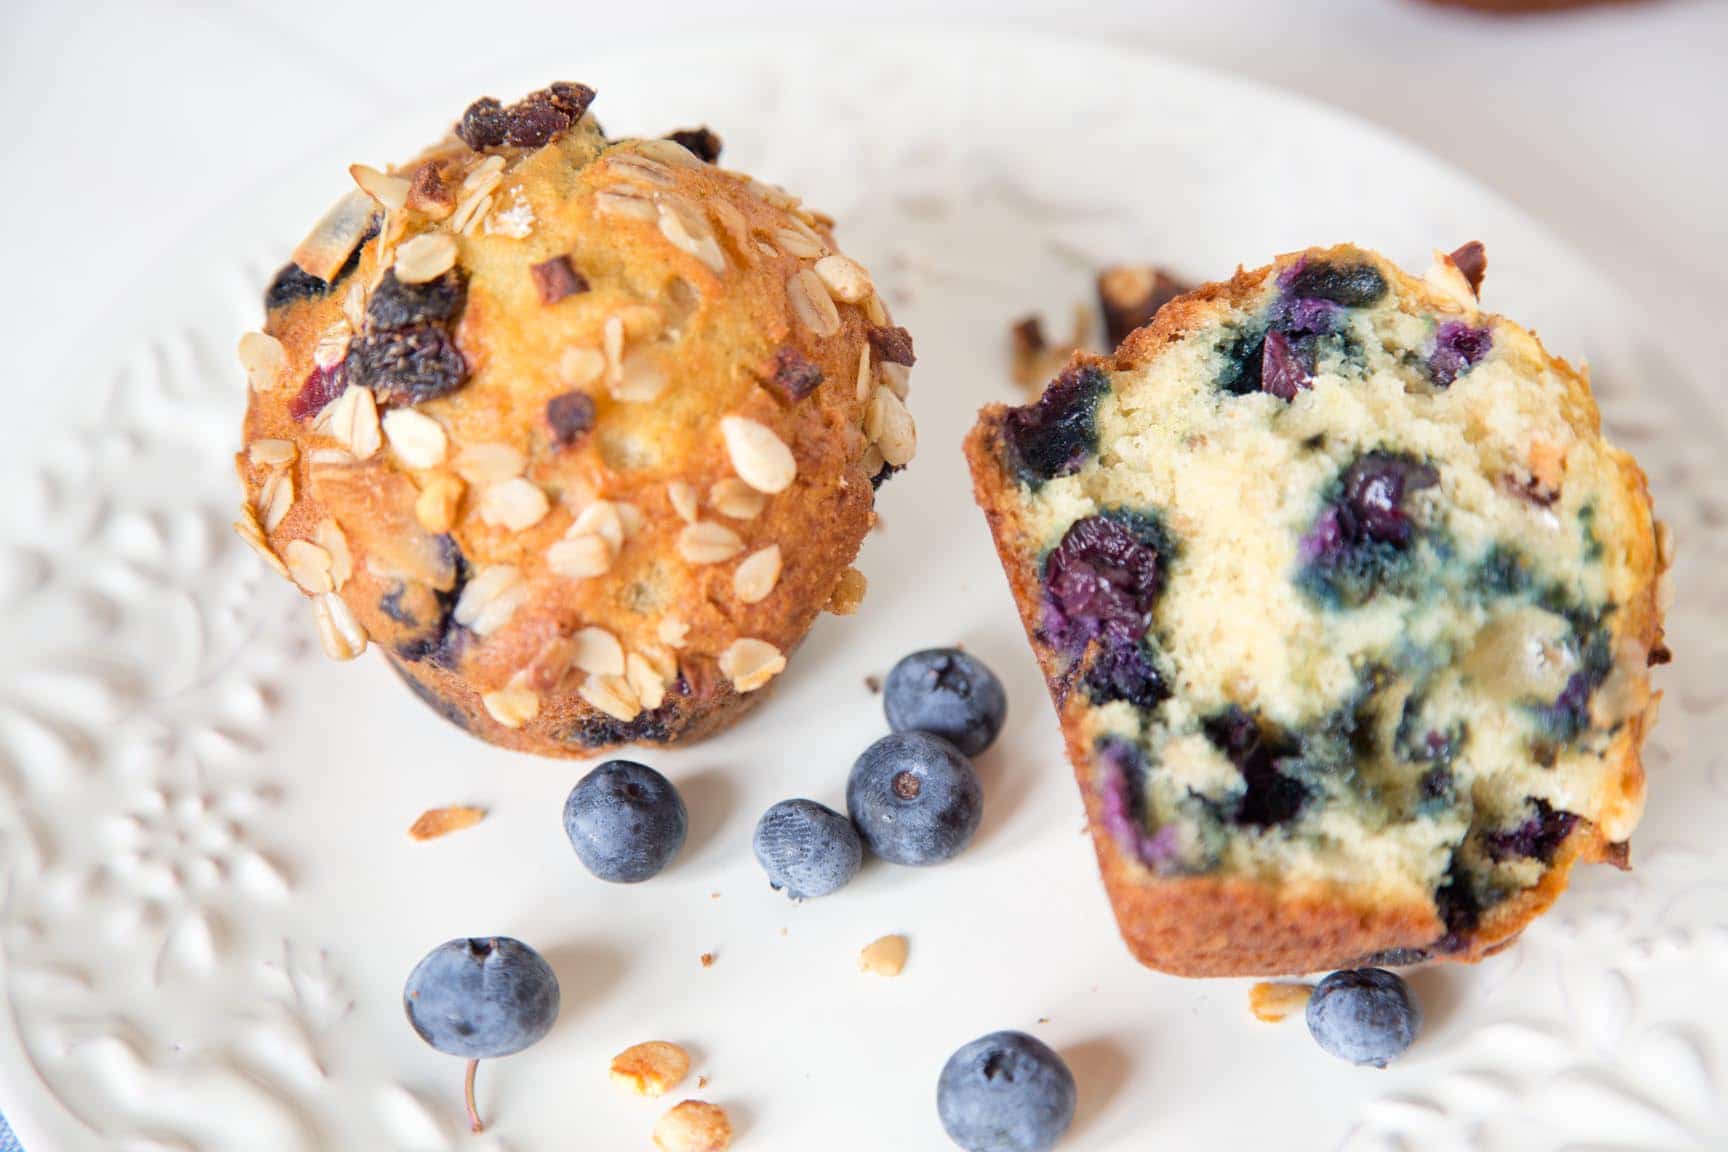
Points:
(425, 257)
(845, 278)
(489, 599)
(884, 956)
(580, 367)
(1273, 1001)
(756, 575)
(438, 503)
(515, 504)
(390, 192)
(732, 497)
(651, 1069)
(864, 381)
(328, 535)
(672, 631)
(436, 822)
(332, 346)
(597, 652)
(602, 518)
(416, 439)
(889, 426)
(706, 542)
(797, 240)
(646, 680)
(264, 359)
(750, 663)
(309, 567)
(640, 379)
(611, 695)
(275, 499)
(485, 464)
(352, 419)
(581, 557)
(683, 498)
(758, 455)
(625, 203)
(340, 634)
(811, 303)
(249, 530)
(513, 705)
(335, 236)
(690, 233)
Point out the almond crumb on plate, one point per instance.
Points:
(436, 822)
(707, 959)
(694, 1126)
(884, 956)
(652, 1068)
(1272, 1002)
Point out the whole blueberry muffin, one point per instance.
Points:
(1348, 610)
(582, 433)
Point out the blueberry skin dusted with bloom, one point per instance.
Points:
(915, 799)
(481, 998)
(945, 692)
(626, 821)
(1364, 1015)
(807, 849)
(1006, 1092)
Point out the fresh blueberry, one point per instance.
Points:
(1364, 1015)
(625, 821)
(807, 849)
(1005, 1092)
(914, 798)
(945, 692)
(481, 998)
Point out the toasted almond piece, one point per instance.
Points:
(612, 346)
(732, 497)
(249, 530)
(669, 152)
(425, 257)
(756, 575)
(672, 631)
(706, 542)
(328, 535)
(623, 202)
(580, 367)
(427, 192)
(845, 278)
(272, 453)
(436, 822)
(750, 663)
(602, 518)
(438, 502)
(1273, 1001)
(848, 593)
(871, 461)
(581, 557)
(694, 1126)
(597, 652)
(883, 956)
(758, 455)
(875, 311)
(489, 599)
(737, 232)
(864, 380)
(390, 192)
(264, 359)
(516, 504)
(340, 634)
(683, 498)
(513, 705)
(652, 1068)
(352, 419)
(335, 236)
(330, 458)
(416, 438)
(275, 499)
(800, 242)
(611, 695)
(689, 232)
(811, 303)
(309, 566)
(898, 377)
(485, 464)
(634, 166)
(646, 680)
(889, 426)
(629, 518)
(639, 379)
(1664, 545)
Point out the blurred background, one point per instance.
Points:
(132, 121)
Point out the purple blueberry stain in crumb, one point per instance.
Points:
(1458, 347)
(1100, 582)
(1054, 435)
(1375, 487)
(1122, 772)
(322, 386)
(1537, 838)
(1270, 797)
(1124, 672)
(1282, 372)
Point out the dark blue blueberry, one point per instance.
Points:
(1244, 355)
(1364, 1015)
(1054, 436)
(1360, 539)
(915, 798)
(1299, 318)
(1100, 581)
(1538, 837)
(1459, 901)
(1124, 672)
(1393, 958)
(807, 849)
(1006, 1092)
(481, 998)
(1375, 486)
(1457, 348)
(659, 725)
(1271, 796)
(625, 821)
(1122, 795)
(407, 365)
(948, 693)
(395, 305)
(1352, 285)
(293, 283)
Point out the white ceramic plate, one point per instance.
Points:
(211, 900)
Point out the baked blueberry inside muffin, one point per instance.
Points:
(1347, 607)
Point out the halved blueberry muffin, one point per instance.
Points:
(1348, 611)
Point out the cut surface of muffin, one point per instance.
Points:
(1347, 607)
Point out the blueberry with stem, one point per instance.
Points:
(481, 998)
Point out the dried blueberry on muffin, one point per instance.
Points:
(541, 413)
(1347, 607)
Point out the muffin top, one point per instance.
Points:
(551, 413)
